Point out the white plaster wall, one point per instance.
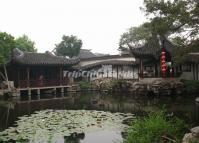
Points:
(83, 63)
(126, 73)
(187, 75)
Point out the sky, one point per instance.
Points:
(98, 23)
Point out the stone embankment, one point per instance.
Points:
(142, 87)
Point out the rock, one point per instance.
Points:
(102, 84)
(197, 99)
(166, 86)
(157, 87)
(187, 138)
(192, 137)
(195, 131)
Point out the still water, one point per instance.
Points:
(181, 106)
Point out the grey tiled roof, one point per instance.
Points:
(152, 49)
(108, 62)
(84, 54)
(87, 54)
(47, 58)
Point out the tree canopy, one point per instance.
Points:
(25, 44)
(69, 46)
(135, 36)
(176, 19)
(8, 43)
(179, 17)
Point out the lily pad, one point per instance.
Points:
(47, 125)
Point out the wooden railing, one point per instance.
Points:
(42, 83)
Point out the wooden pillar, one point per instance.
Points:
(141, 68)
(60, 75)
(62, 91)
(28, 76)
(29, 94)
(55, 92)
(117, 71)
(112, 71)
(194, 71)
(156, 70)
(18, 77)
(38, 94)
(122, 71)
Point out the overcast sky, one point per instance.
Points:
(99, 23)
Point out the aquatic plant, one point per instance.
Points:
(156, 128)
(48, 125)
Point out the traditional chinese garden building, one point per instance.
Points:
(32, 71)
(190, 69)
(111, 66)
(149, 56)
(29, 69)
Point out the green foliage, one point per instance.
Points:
(69, 46)
(85, 85)
(25, 44)
(169, 16)
(178, 18)
(152, 128)
(51, 125)
(135, 36)
(191, 86)
(179, 54)
(7, 43)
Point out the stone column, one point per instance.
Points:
(38, 94)
(29, 94)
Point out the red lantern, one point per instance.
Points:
(163, 62)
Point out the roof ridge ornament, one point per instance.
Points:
(17, 53)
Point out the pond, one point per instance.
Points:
(71, 106)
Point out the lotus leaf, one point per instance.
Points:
(48, 125)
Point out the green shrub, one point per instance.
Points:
(152, 128)
(191, 86)
(85, 85)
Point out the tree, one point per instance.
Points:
(69, 46)
(25, 44)
(178, 19)
(137, 36)
(7, 44)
